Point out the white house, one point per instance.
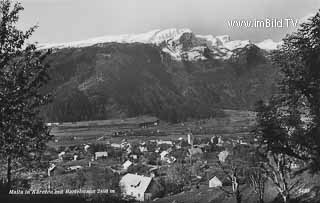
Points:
(98, 155)
(163, 154)
(169, 159)
(140, 187)
(215, 182)
(143, 149)
(74, 168)
(129, 150)
(126, 164)
(168, 142)
(223, 156)
(61, 154)
(220, 141)
(86, 147)
(115, 145)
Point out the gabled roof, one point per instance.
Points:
(135, 183)
(126, 164)
(223, 155)
(215, 178)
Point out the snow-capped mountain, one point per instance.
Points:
(180, 44)
(173, 74)
(269, 44)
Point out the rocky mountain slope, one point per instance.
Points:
(173, 74)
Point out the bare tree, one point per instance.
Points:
(258, 178)
(234, 171)
(280, 173)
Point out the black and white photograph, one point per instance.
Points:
(162, 101)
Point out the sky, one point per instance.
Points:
(72, 20)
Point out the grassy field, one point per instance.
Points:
(234, 125)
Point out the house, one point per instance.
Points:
(195, 151)
(163, 154)
(133, 156)
(169, 159)
(143, 149)
(129, 150)
(115, 145)
(61, 154)
(86, 147)
(159, 142)
(214, 140)
(157, 150)
(142, 188)
(223, 156)
(220, 141)
(215, 182)
(126, 164)
(100, 155)
(74, 168)
(244, 143)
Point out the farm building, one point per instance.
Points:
(98, 155)
(115, 145)
(126, 164)
(195, 151)
(143, 149)
(168, 142)
(169, 159)
(74, 168)
(86, 147)
(163, 154)
(133, 156)
(140, 187)
(223, 156)
(61, 154)
(215, 182)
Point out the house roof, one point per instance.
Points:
(215, 178)
(101, 153)
(223, 155)
(164, 153)
(126, 164)
(135, 183)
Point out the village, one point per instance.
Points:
(140, 167)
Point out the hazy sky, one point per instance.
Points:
(70, 20)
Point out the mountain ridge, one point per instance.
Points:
(113, 80)
(159, 36)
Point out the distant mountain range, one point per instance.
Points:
(173, 74)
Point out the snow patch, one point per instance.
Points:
(269, 44)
